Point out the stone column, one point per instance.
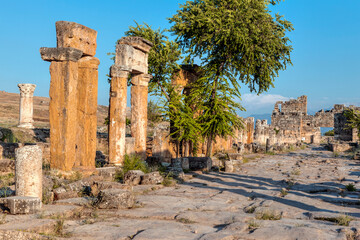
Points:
(26, 105)
(87, 92)
(73, 96)
(139, 100)
(117, 113)
(63, 105)
(28, 171)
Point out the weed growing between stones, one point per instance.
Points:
(296, 172)
(343, 220)
(168, 181)
(133, 162)
(3, 218)
(250, 209)
(283, 192)
(350, 187)
(253, 225)
(335, 154)
(268, 215)
(185, 220)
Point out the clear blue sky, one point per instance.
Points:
(326, 43)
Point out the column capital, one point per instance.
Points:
(141, 79)
(26, 89)
(60, 54)
(120, 71)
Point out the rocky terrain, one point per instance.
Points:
(304, 194)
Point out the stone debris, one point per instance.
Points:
(21, 205)
(152, 178)
(115, 199)
(133, 177)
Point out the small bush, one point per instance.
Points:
(350, 187)
(253, 224)
(168, 181)
(119, 175)
(283, 192)
(268, 215)
(343, 220)
(134, 162)
(296, 172)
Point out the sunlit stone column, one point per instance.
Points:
(139, 99)
(28, 171)
(117, 113)
(26, 105)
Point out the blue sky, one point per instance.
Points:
(326, 64)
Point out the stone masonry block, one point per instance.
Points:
(60, 54)
(71, 34)
(200, 163)
(131, 57)
(137, 42)
(21, 205)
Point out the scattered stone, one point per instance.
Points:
(133, 177)
(115, 199)
(152, 178)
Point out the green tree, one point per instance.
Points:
(353, 118)
(163, 65)
(236, 41)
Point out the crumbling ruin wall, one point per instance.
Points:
(343, 132)
(262, 131)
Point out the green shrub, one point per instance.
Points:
(350, 187)
(133, 162)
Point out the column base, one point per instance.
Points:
(26, 125)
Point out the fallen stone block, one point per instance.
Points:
(107, 172)
(151, 178)
(60, 54)
(7, 165)
(133, 177)
(200, 163)
(115, 199)
(21, 205)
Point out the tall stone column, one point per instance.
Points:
(26, 105)
(117, 113)
(63, 105)
(139, 99)
(28, 171)
(87, 92)
(73, 97)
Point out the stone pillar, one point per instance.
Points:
(117, 113)
(73, 96)
(26, 105)
(139, 99)
(87, 92)
(28, 171)
(131, 57)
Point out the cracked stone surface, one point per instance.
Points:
(306, 189)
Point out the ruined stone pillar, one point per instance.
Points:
(73, 96)
(87, 92)
(139, 99)
(26, 105)
(28, 171)
(131, 57)
(117, 113)
(63, 105)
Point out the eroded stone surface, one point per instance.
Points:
(26, 105)
(28, 171)
(21, 204)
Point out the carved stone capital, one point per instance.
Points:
(26, 89)
(141, 79)
(137, 42)
(60, 54)
(119, 71)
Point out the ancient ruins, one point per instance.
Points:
(26, 105)
(73, 97)
(70, 181)
(131, 59)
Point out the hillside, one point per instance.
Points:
(9, 110)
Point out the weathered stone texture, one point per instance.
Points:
(28, 171)
(115, 199)
(117, 118)
(71, 34)
(139, 98)
(26, 105)
(60, 54)
(63, 114)
(87, 89)
(21, 204)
